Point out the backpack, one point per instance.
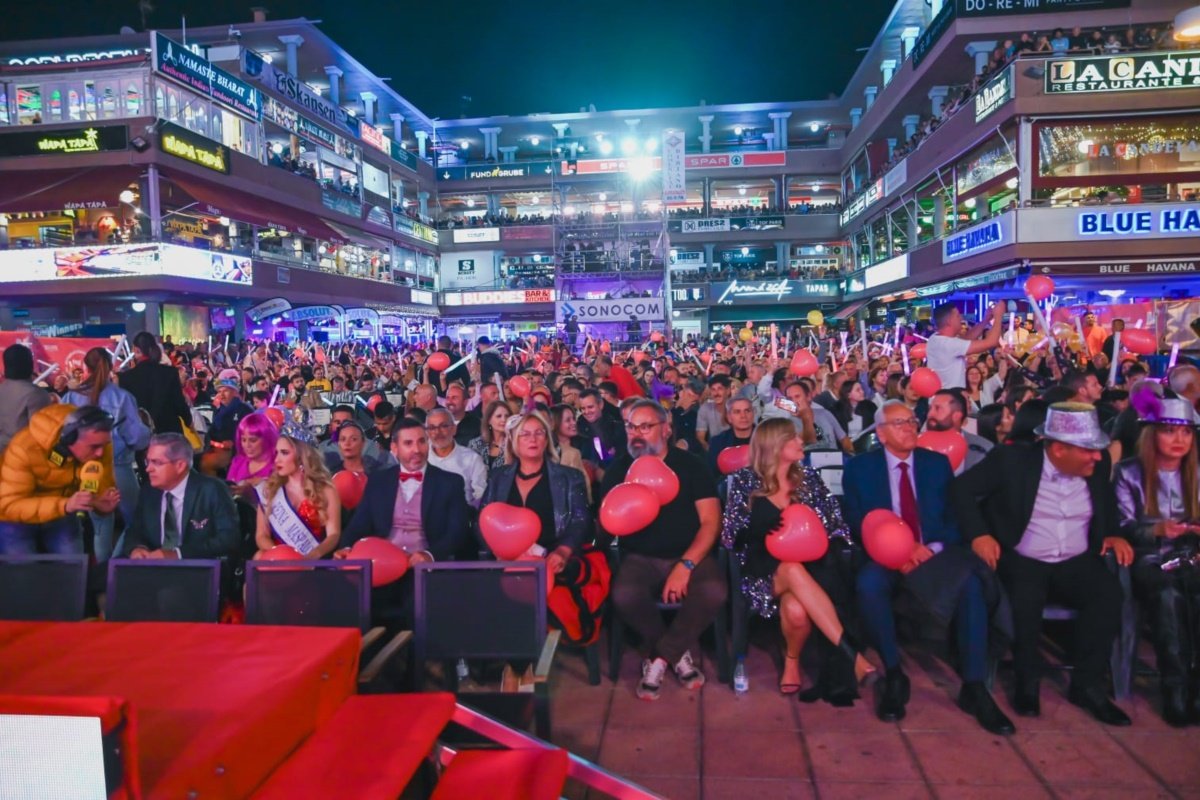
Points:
(577, 599)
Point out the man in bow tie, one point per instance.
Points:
(419, 508)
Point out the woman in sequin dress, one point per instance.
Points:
(301, 481)
(757, 496)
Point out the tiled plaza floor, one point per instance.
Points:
(714, 744)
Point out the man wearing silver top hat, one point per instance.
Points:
(1043, 516)
(1159, 502)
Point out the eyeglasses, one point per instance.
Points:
(911, 422)
(642, 429)
(537, 434)
(445, 426)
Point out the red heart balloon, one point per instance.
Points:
(917, 351)
(653, 472)
(1039, 287)
(656, 336)
(388, 562)
(374, 401)
(925, 382)
(628, 508)
(280, 552)
(801, 535)
(438, 361)
(887, 538)
(350, 487)
(951, 444)
(1139, 341)
(509, 530)
(804, 363)
(275, 415)
(732, 459)
(518, 385)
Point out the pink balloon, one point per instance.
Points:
(887, 538)
(656, 336)
(732, 459)
(519, 386)
(917, 351)
(509, 530)
(801, 535)
(951, 444)
(350, 487)
(280, 552)
(804, 363)
(388, 562)
(1039, 287)
(1139, 341)
(373, 402)
(438, 361)
(628, 508)
(925, 382)
(275, 415)
(653, 473)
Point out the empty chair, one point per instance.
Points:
(43, 588)
(163, 590)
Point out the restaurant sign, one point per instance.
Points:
(182, 143)
(65, 141)
(180, 64)
(1178, 69)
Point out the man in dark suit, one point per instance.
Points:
(183, 514)
(156, 386)
(913, 483)
(1044, 516)
(418, 507)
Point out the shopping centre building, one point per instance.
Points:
(255, 179)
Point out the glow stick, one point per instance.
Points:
(833, 359)
(904, 353)
(274, 395)
(1116, 359)
(919, 336)
(460, 362)
(1174, 355)
(1012, 321)
(1041, 320)
(1079, 330)
(787, 343)
(774, 342)
(1138, 324)
(45, 374)
(862, 327)
(210, 346)
(896, 336)
(843, 335)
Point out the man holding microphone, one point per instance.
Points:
(53, 473)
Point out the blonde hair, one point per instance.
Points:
(766, 443)
(513, 426)
(1148, 456)
(316, 477)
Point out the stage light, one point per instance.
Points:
(606, 148)
(639, 169)
(629, 146)
(138, 307)
(126, 197)
(651, 145)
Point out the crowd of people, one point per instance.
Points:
(1060, 470)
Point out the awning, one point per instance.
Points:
(217, 201)
(358, 237)
(849, 309)
(55, 190)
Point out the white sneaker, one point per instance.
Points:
(691, 677)
(652, 677)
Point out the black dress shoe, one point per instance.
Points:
(1175, 706)
(892, 694)
(1027, 700)
(975, 699)
(1096, 703)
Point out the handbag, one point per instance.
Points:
(193, 438)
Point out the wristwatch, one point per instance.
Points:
(688, 564)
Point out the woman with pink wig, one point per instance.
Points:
(254, 450)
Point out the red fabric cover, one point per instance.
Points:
(627, 385)
(533, 774)
(112, 711)
(369, 749)
(219, 707)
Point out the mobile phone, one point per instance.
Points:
(786, 405)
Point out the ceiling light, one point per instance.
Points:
(138, 307)
(535, 141)
(742, 191)
(629, 146)
(603, 197)
(816, 187)
(267, 57)
(1011, 183)
(464, 144)
(745, 251)
(969, 202)
(535, 200)
(1085, 146)
(819, 248)
(470, 202)
(651, 145)
(737, 130)
(126, 197)
(1187, 24)
(814, 127)
(606, 147)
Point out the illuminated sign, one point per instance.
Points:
(416, 229)
(499, 297)
(65, 141)
(994, 94)
(298, 92)
(770, 290)
(894, 269)
(1167, 222)
(1124, 73)
(977, 239)
(1007, 8)
(468, 235)
(639, 308)
(1132, 267)
(374, 137)
(180, 64)
(861, 203)
(307, 313)
(123, 260)
(774, 158)
(423, 297)
(268, 308)
(703, 225)
(86, 57)
(484, 173)
(193, 147)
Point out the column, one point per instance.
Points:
(335, 91)
(152, 203)
(705, 134)
(981, 51)
(292, 43)
(910, 126)
(368, 99)
(4, 231)
(869, 95)
(891, 148)
(780, 120)
(493, 204)
(1025, 158)
(397, 127)
(508, 154)
(153, 318)
(783, 257)
(914, 230)
(937, 100)
(855, 117)
(769, 138)
(887, 69)
(560, 132)
(423, 203)
(939, 216)
(709, 252)
(707, 197)
(489, 142)
(908, 39)
(781, 195)
(422, 137)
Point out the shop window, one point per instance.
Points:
(160, 102)
(133, 100)
(172, 104)
(1120, 147)
(73, 106)
(29, 105)
(108, 103)
(216, 128)
(988, 161)
(54, 108)
(89, 99)
(4, 120)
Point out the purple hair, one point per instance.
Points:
(256, 424)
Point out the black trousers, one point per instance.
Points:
(1172, 602)
(1083, 583)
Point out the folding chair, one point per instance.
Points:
(43, 588)
(494, 610)
(163, 590)
(332, 594)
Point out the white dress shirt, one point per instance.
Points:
(1058, 528)
(175, 497)
(467, 463)
(409, 487)
(893, 469)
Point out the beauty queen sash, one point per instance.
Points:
(286, 523)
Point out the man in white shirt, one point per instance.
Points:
(947, 350)
(445, 453)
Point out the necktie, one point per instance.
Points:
(170, 540)
(410, 476)
(908, 502)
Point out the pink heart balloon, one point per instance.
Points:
(509, 530)
(388, 562)
(887, 538)
(801, 535)
(653, 472)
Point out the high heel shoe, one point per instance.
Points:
(790, 688)
(852, 650)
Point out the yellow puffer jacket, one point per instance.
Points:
(33, 488)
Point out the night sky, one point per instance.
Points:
(522, 57)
